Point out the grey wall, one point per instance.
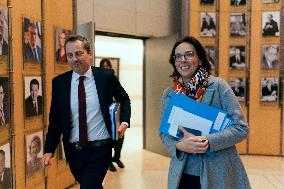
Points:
(138, 17)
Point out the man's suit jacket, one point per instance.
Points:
(30, 109)
(29, 55)
(207, 1)
(236, 2)
(6, 183)
(233, 60)
(270, 31)
(108, 87)
(265, 64)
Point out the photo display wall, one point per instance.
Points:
(237, 56)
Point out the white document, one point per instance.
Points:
(179, 117)
(219, 121)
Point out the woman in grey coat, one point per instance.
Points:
(212, 161)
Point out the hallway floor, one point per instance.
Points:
(147, 170)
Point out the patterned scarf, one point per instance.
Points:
(196, 86)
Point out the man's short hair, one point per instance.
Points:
(75, 37)
(34, 82)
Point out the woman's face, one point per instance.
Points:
(186, 65)
(34, 149)
(61, 39)
(105, 65)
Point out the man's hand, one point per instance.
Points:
(191, 143)
(45, 160)
(121, 130)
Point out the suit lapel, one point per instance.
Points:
(99, 86)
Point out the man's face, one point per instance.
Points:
(238, 51)
(237, 83)
(32, 36)
(61, 39)
(78, 57)
(269, 17)
(34, 91)
(271, 54)
(2, 94)
(106, 66)
(2, 163)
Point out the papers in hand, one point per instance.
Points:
(114, 110)
(197, 118)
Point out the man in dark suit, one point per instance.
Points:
(5, 173)
(80, 112)
(271, 26)
(31, 50)
(237, 61)
(3, 43)
(34, 101)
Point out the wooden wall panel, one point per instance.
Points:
(51, 14)
(264, 118)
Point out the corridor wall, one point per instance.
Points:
(22, 129)
(264, 113)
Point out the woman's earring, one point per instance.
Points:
(200, 63)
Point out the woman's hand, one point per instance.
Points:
(191, 143)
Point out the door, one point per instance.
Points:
(88, 31)
(156, 71)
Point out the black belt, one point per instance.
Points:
(90, 144)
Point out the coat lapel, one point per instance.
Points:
(208, 95)
(66, 89)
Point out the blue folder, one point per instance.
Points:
(202, 111)
(114, 110)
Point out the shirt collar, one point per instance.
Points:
(88, 74)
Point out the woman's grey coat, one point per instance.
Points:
(224, 169)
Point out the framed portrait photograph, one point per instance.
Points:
(32, 47)
(270, 57)
(237, 57)
(4, 104)
(270, 1)
(5, 167)
(271, 23)
(3, 30)
(206, 2)
(34, 152)
(33, 96)
(108, 63)
(237, 84)
(238, 24)
(207, 24)
(238, 2)
(60, 36)
(269, 89)
(210, 50)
